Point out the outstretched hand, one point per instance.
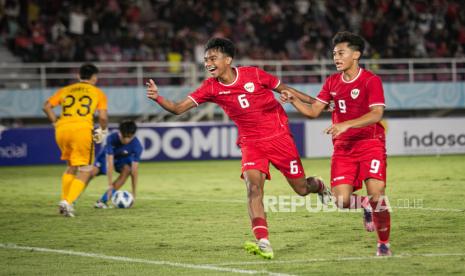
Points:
(152, 90)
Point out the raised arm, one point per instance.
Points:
(302, 96)
(170, 106)
(309, 110)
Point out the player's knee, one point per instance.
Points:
(95, 171)
(71, 170)
(254, 190)
(86, 168)
(375, 197)
(126, 170)
(379, 202)
(342, 202)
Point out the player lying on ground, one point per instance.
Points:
(245, 94)
(358, 136)
(121, 153)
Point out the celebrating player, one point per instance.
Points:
(245, 94)
(122, 153)
(358, 136)
(73, 131)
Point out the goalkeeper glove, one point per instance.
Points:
(99, 135)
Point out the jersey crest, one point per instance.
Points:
(250, 87)
(354, 93)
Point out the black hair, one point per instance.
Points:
(87, 71)
(127, 128)
(221, 44)
(355, 42)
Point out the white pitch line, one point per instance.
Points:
(343, 259)
(143, 261)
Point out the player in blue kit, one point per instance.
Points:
(121, 153)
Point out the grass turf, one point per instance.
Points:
(191, 218)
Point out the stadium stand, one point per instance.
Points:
(42, 43)
(144, 30)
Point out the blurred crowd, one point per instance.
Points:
(176, 30)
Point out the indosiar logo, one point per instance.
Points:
(433, 140)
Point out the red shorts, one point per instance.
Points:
(354, 162)
(280, 151)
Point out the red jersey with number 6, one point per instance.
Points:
(353, 99)
(249, 101)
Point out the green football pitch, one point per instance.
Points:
(191, 218)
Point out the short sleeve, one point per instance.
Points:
(202, 94)
(137, 150)
(267, 80)
(109, 145)
(324, 96)
(55, 99)
(102, 100)
(375, 92)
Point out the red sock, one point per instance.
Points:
(357, 202)
(260, 228)
(382, 220)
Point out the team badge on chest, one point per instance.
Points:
(250, 87)
(354, 93)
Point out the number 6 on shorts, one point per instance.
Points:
(294, 167)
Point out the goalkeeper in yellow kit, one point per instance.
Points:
(74, 132)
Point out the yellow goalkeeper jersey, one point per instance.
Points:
(78, 102)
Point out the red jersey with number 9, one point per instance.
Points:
(249, 101)
(353, 99)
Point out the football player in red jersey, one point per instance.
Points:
(245, 94)
(358, 136)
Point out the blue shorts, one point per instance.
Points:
(101, 163)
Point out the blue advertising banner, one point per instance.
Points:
(161, 142)
(28, 146)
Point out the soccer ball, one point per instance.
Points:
(122, 199)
